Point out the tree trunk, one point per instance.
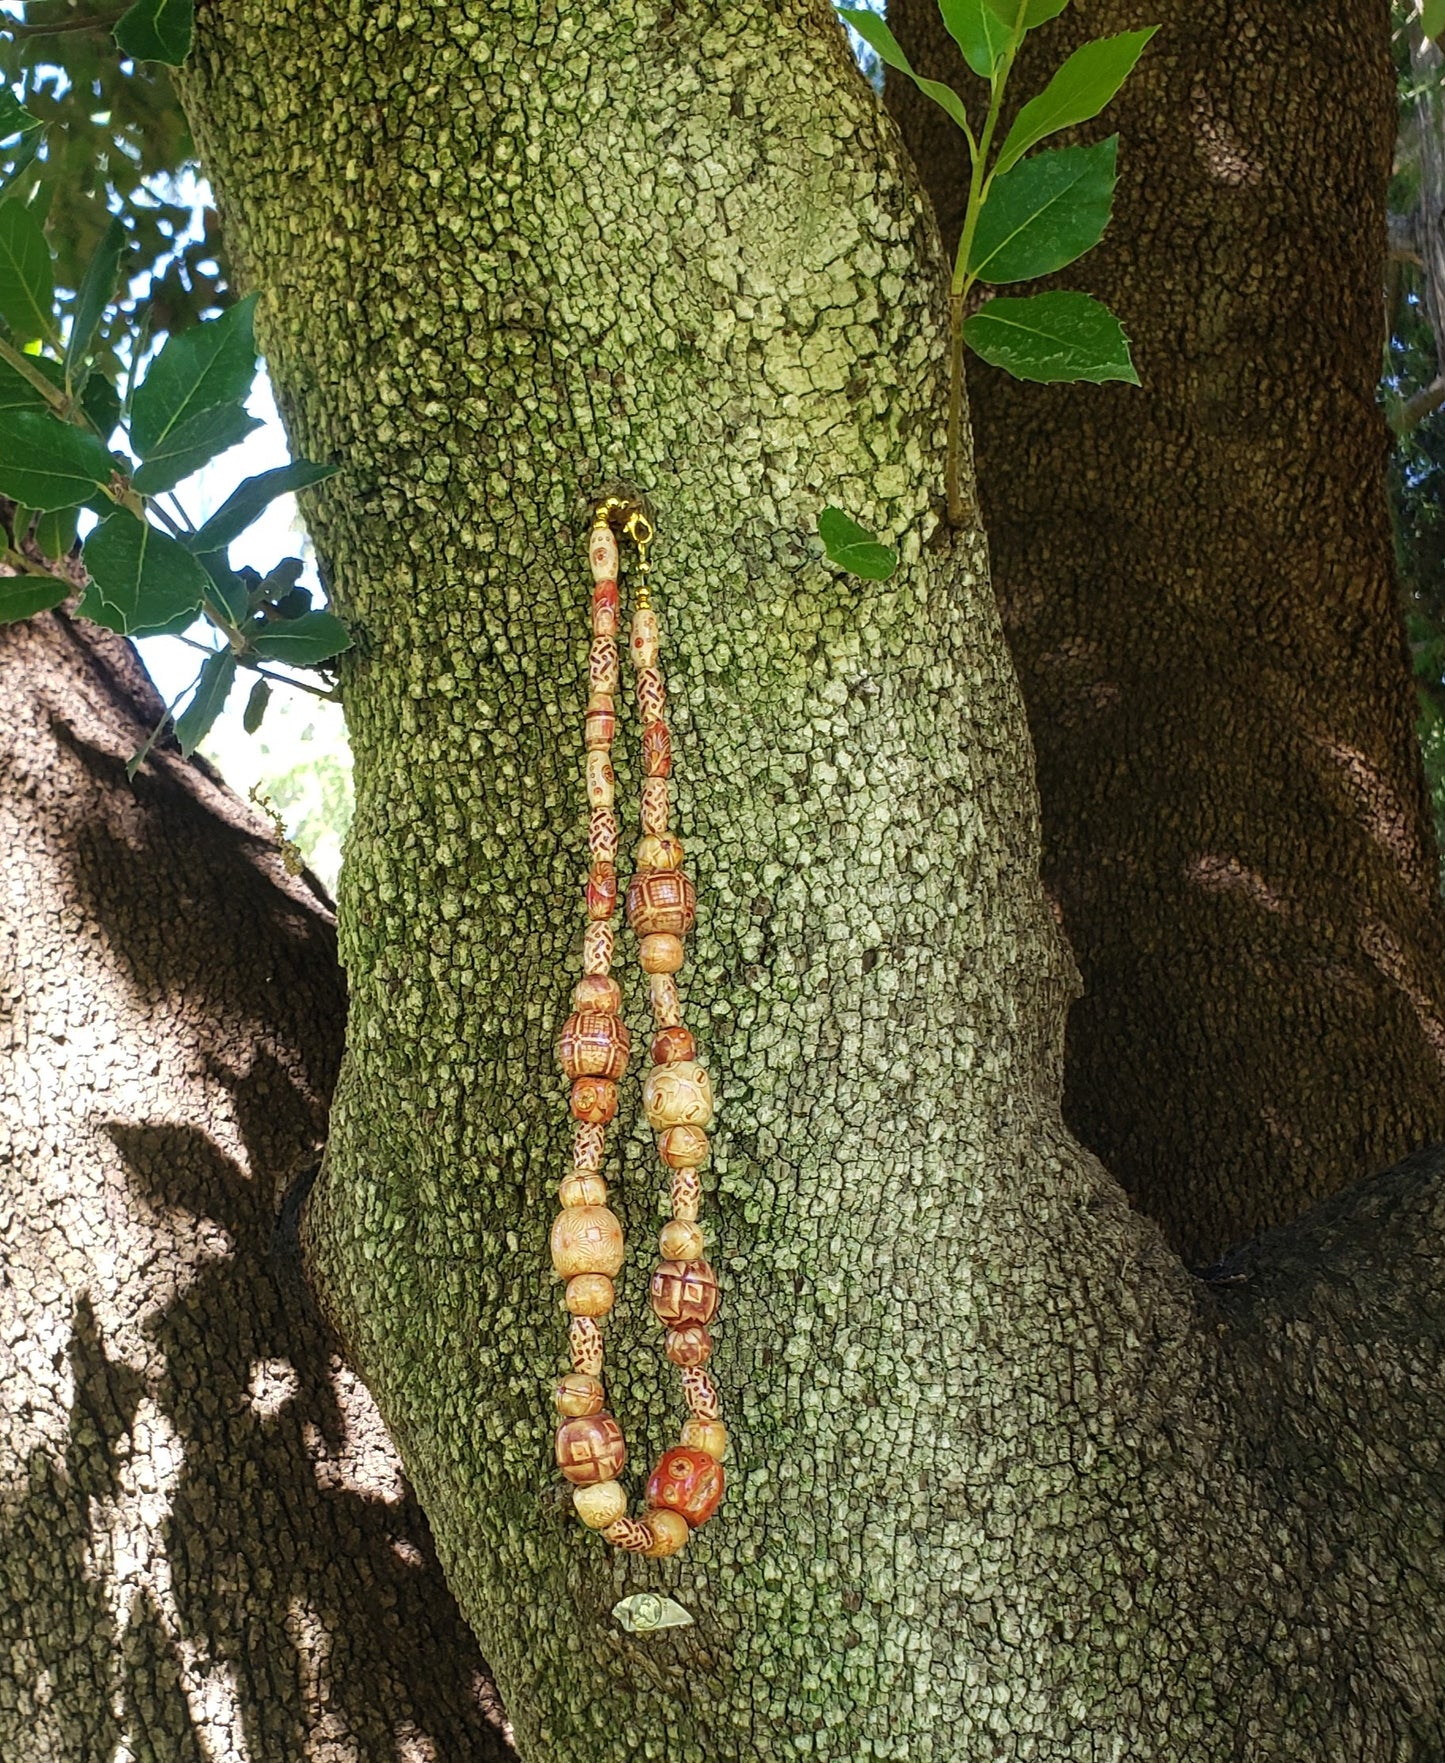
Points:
(208, 1548)
(1198, 589)
(1003, 1475)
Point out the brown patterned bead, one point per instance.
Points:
(656, 750)
(601, 1504)
(644, 637)
(593, 1045)
(688, 1344)
(669, 1045)
(594, 1099)
(629, 1533)
(705, 1435)
(670, 1531)
(651, 694)
(587, 1146)
(584, 1344)
(676, 1241)
(582, 1190)
(589, 1294)
(578, 1393)
(701, 1394)
(602, 835)
(602, 673)
(661, 900)
(683, 1147)
(684, 1291)
(588, 1239)
(604, 609)
(597, 994)
(686, 1195)
(601, 785)
(678, 1095)
(601, 891)
(598, 730)
(660, 953)
(659, 852)
(602, 553)
(666, 1005)
(654, 806)
(597, 947)
(590, 1448)
(687, 1482)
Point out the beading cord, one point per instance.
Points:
(686, 1485)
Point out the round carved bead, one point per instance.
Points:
(701, 1394)
(656, 750)
(643, 642)
(584, 1344)
(660, 953)
(601, 785)
(598, 730)
(602, 836)
(671, 1045)
(594, 1099)
(590, 1295)
(578, 1393)
(651, 694)
(706, 1435)
(661, 900)
(602, 553)
(688, 1482)
(590, 1449)
(664, 852)
(582, 1190)
(666, 1005)
(688, 1344)
(593, 1045)
(601, 891)
(678, 1095)
(601, 1504)
(604, 609)
(629, 1533)
(587, 1239)
(597, 947)
(670, 1531)
(587, 1143)
(686, 1193)
(654, 806)
(678, 1241)
(595, 992)
(684, 1291)
(602, 672)
(683, 1147)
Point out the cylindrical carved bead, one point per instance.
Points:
(584, 1344)
(701, 1394)
(658, 851)
(688, 1482)
(588, 1294)
(684, 1291)
(602, 553)
(670, 1531)
(677, 1095)
(598, 730)
(590, 1449)
(661, 900)
(686, 1195)
(666, 1005)
(604, 609)
(629, 1533)
(601, 1504)
(706, 1435)
(660, 953)
(587, 1144)
(676, 1241)
(578, 1393)
(601, 785)
(594, 1099)
(598, 994)
(588, 1239)
(643, 641)
(602, 836)
(593, 1045)
(683, 1147)
(651, 694)
(601, 891)
(656, 750)
(688, 1344)
(597, 947)
(582, 1190)
(654, 806)
(602, 673)
(670, 1045)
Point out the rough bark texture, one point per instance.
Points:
(207, 1550)
(1004, 1478)
(1197, 585)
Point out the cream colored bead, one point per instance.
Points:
(654, 806)
(582, 1189)
(587, 1144)
(584, 1343)
(686, 1195)
(601, 1504)
(706, 1435)
(629, 1533)
(680, 1241)
(683, 1147)
(663, 852)
(644, 637)
(589, 1294)
(660, 953)
(577, 1394)
(678, 1095)
(602, 553)
(666, 1005)
(669, 1533)
(598, 945)
(586, 1239)
(601, 787)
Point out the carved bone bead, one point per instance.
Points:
(684, 1291)
(587, 1239)
(677, 1241)
(594, 1099)
(601, 785)
(629, 1533)
(590, 1448)
(601, 891)
(651, 694)
(593, 1045)
(660, 953)
(670, 1045)
(661, 900)
(604, 609)
(582, 1190)
(602, 553)
(588, 1294)
(686, 1194)
(687, 1482)
(701, 1394)
(706, 1435)
(670, 1531)
(584, 1344)
(578, 1393)
(598, 730)
(683, 1147)
(666, 1006)
(598, 994)
(654, 806)
(656, 750)
(658, 852)
(602, 836)
(678, 1095)
(601, 1504)
(597, 947)
(688, 1344)
(644, 637)
(587, 1144)
(602, 675)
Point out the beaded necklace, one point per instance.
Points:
(587, 1247)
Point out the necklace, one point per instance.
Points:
(587, 1247)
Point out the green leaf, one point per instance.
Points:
(228, 590)
(1080, 89)
(256, 706)
(247, 502)
(101, 403)
(22, 158)
(1047, 337)
(982, 29)
(1041, 11)
(55, 531)
(27, 284)
(95, 293)
(15, 119)
(1432, 18)
(1045, 213)
(17, 393)
(22, 596)
(47, 463)
(882, 41)
(854, 548)
(212, 363)
(140, 578)
(316, 636)
(207, 701)
(157, 30)
(192, 444)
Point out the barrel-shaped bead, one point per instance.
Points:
(602, 835)
(604, 609)
(632, 1534)
(684, 1291)
(590, 1449)
(686, 1482)
(666, 1005)
(598, 730)
(701, 1394)
(602, 672)
(654, 806)
(651, 694)
(584, 1344)
(602, 553)
(686, 1194)
(598, 946)
(601, 785)
(656, 750)
(601, 891)
(587, 1145)
(643, 639)
(588, 1239)
(592, 1044)
(594, 1099)
(678, 1095)
(661, 900)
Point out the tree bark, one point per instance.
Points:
(1003, 1475)
(1197, 584)
(208, 1548)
